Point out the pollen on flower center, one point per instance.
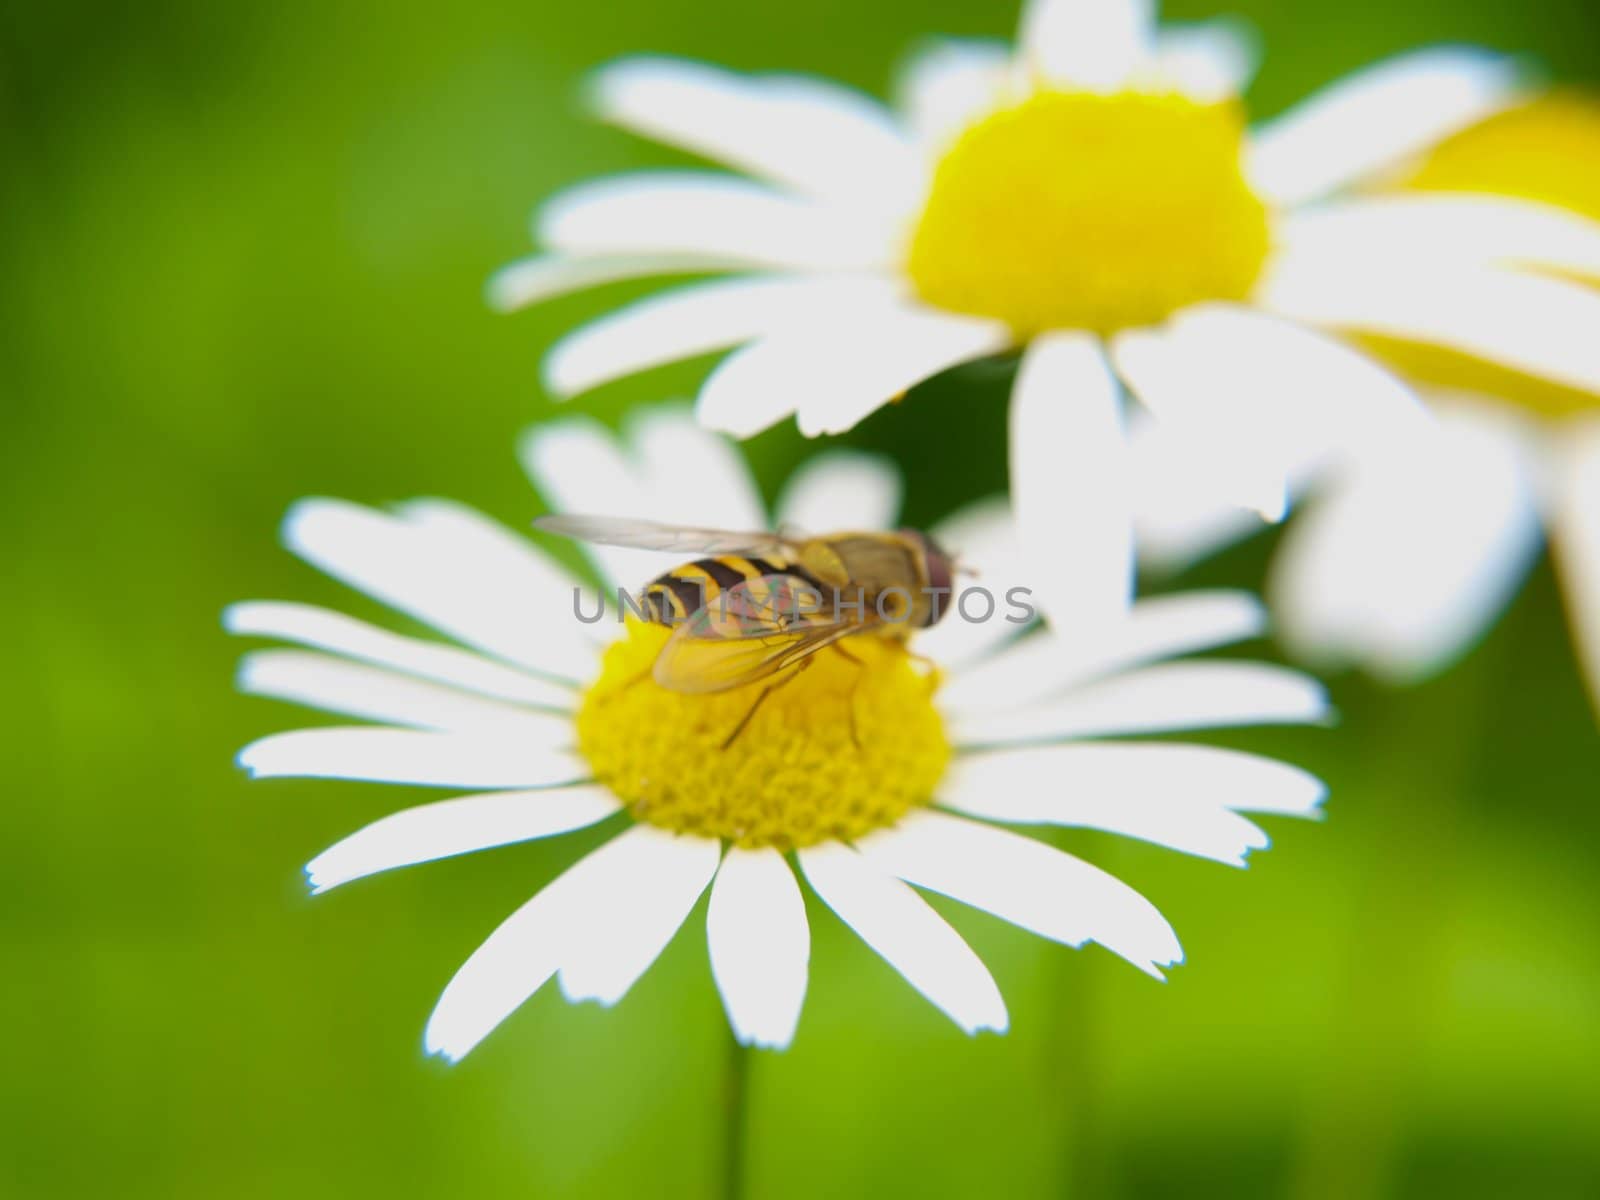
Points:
(842, 748)
(1080, 211)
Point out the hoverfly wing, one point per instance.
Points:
(750, 632)
(690, 665)
(654, 535)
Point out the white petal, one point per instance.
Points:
(1453, 229)
(982, 535)
(578, 466)
(816, 137)
(1208, 60)
(462, 826)
(677, 473)
(1342, 400)
(484, 587)
(328, 630)
(1405, 559)
(691, 475)
(1030, 884)
(569, 925)
(950, 83)
(983, 538)
(412, 756)
(1169, 626)
(1263, 401)
(1232, 453)
(1173, 696)
(840, 490)
(1529, 323)
(1183, 797)
(691, 321)
(527, 594)
(839, 369)
(652, 879)
(760, 946)
(545, 276)
(1214, 833)
(1090, 44)
(1576, 530)
(517, 958)
(718, 217)
(1375, 119)
(1183, 510)
(338, 685)
(1045, 664)
(1069, 484)
(866, 366)
(912, 938)
(1118, 771)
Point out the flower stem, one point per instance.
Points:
(1423, 749)
(1084, 1167)
(736, 1085)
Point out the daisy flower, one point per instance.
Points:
(549, 725)
(1406, 554)
(1092, 196)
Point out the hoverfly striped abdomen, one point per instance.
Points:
(673, 597)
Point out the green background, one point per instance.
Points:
(242, 261)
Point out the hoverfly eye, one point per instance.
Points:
(942, 582)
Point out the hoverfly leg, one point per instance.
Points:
(638, 679)
(861, 670)
(765, 692)
(627, 685)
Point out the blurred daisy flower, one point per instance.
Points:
(1408, 552)
(861, 785)
(1093, 196)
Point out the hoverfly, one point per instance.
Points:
(761, 604)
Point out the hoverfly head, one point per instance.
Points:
(941, 569)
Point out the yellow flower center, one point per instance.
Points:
(841, 748)
(1078, 211)
(1546, 150)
